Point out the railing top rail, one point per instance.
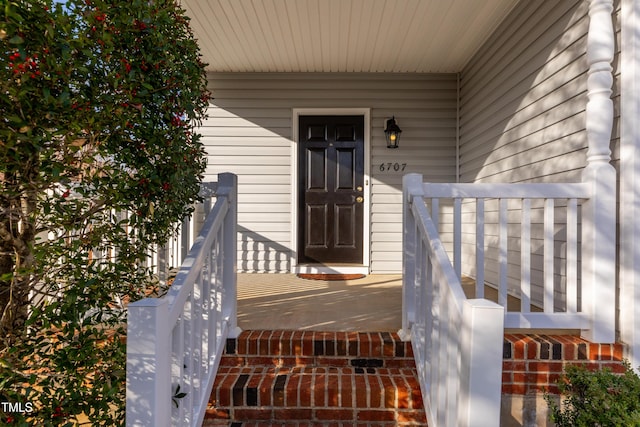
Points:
(180, 288)
(192, 264)
(208, 189)
(508, 190)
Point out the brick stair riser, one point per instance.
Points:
(323, 415)
(287, 348)
(301, 361)
(313, 344)
(309, 387)
(272, 423)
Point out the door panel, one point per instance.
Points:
(345, 222)
(346, 169)
(317, 236)
(330, 189)
(317, 169)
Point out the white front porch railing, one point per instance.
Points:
(457, 342)
(174, 343)
(524, 240)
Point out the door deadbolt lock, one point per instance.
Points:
(359, 199)
(359, 188)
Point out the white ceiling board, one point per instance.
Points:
(403, 36)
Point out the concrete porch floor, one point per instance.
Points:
(285, 301)
(370, 304)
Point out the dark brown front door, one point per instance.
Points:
(330, 189)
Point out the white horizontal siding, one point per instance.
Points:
(523, 97)
(249, 132)
(522, 119)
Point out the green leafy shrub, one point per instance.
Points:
(99, 100)
(597, 398)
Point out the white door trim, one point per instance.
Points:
(366, 223)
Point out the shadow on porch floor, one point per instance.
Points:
(285, 301)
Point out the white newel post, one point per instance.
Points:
(228, 187)
(148, 364)
(481, 342)
(599, 213)
(411, 186)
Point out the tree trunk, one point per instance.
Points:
(17, 237)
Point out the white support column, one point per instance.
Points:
(630, 180)
(411, 187)
(148, 364)
(228, 187)
(599, 213)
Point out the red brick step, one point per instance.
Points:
(304, 378)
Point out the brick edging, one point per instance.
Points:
(534, 363)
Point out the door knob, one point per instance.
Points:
(359, 199)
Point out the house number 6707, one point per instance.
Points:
(396, 167)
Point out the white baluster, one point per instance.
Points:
(480, 248)
(457, 236)
(525, 257)
(549, 223)
(503, 251)
(572, 256)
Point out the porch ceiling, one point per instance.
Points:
(414, 36)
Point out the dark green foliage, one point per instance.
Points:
(99, 100)
(597, 398)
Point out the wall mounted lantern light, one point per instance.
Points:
(392, 133)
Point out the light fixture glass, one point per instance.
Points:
(392, 133)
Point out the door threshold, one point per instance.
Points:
(330, 269)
